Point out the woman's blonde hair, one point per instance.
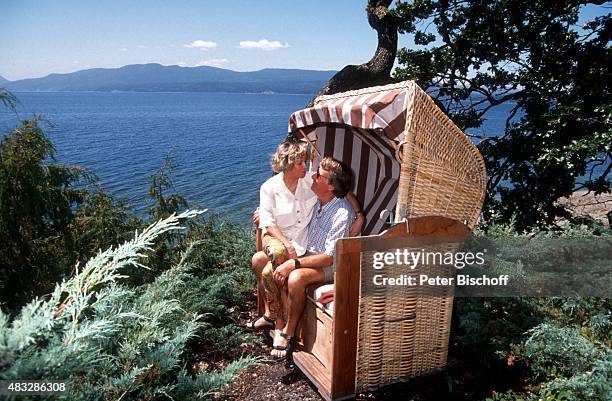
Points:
(287, 153)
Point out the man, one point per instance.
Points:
(330, 221)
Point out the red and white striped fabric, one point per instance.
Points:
(361, 131)
(381, 110)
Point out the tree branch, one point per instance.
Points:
(377, 71)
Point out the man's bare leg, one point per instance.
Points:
(284, 298)
(296, 284)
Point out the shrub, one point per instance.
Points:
(558, 351)
(595, 384)
(36, 201)
(108, 341)
(51, 215)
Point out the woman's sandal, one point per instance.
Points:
(288, 348)
(269, 324)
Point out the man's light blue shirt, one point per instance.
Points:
(328, 224)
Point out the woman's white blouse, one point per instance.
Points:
(291, 213)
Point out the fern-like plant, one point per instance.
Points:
(109, 341)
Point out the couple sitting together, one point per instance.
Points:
(301, 216)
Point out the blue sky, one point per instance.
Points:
(44, 36)
(40, 37)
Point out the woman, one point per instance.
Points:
(285, 208)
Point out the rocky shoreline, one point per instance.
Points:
(585, 205)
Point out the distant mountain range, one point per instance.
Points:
(159, 78)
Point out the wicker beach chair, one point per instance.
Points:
(417, 175)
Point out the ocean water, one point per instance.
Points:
(221, 142)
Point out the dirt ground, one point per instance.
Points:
(282, 381)
(269, 380)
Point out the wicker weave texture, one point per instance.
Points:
(403, 330)
(443, 174)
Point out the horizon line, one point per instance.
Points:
(163, 65)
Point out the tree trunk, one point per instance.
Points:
(377, 71)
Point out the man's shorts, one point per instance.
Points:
(329, 274)
(329, 271)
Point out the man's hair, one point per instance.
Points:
(341, 176)
(286, 155)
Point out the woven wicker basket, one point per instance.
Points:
(385, 334)
(403, 330)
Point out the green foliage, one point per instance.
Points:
(110, 341)
(554, 74)
(558, 351)
(560, 346)
(8, 99)
(51, 216)
(36, 201)
(100, 222)
(490, 325)
(222, 280)
(224, 243)
(165, 204)
(567, 229)
(135, 339)
(595, 384)
(512, 396)
(599, 327)
(533, 348)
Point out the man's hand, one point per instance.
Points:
(357, 225)
(282, 272)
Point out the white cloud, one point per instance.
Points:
(263, 44)
(123, 49)
(182, 64)
(201, 44)
(217, 62)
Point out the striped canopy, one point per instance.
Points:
(362, 129)
(381, 108)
